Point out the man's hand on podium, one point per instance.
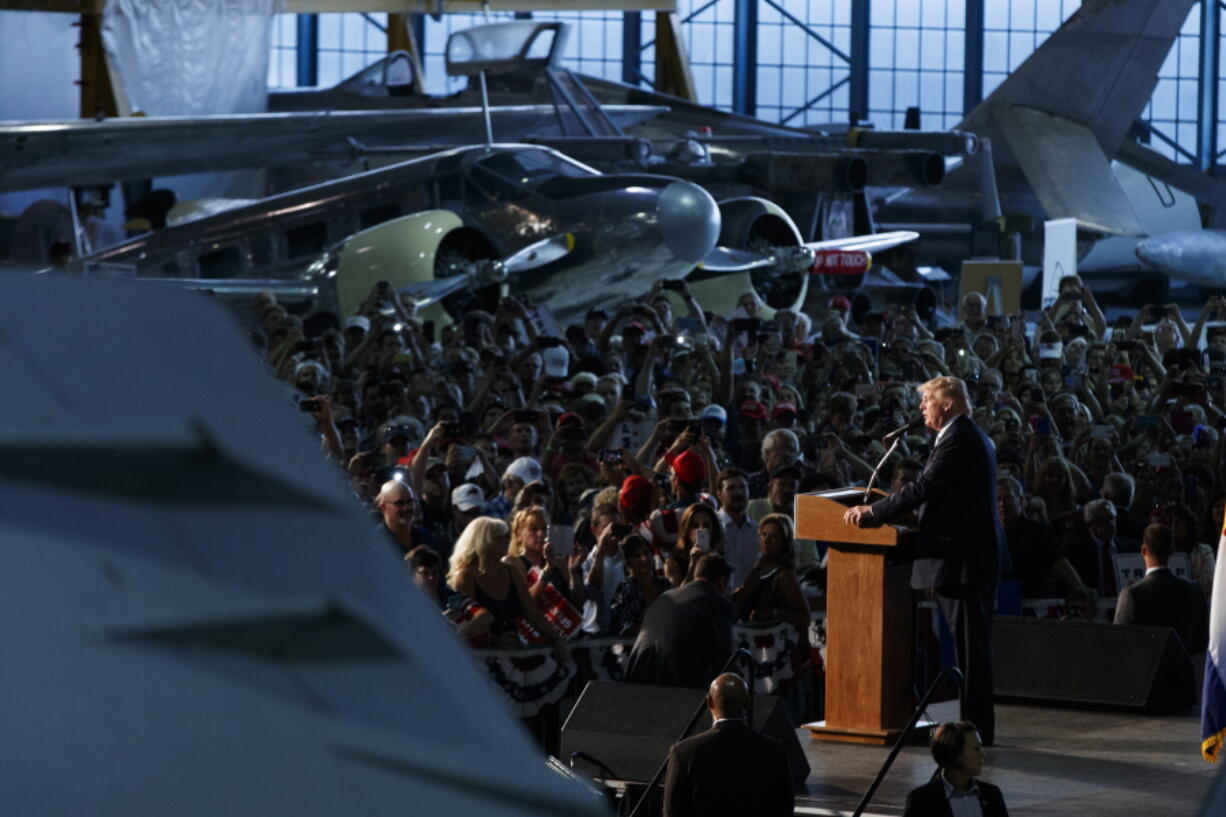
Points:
(861, 516)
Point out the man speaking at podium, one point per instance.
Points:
(959, 541)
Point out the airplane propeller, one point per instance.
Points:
(486, 272)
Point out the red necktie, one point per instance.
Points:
(1109, 585)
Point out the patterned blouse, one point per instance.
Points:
(628, 605)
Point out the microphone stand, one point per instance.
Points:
(868, 491)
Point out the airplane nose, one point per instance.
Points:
(1145, 252)
(689, 220)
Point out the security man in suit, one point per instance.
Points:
(953, 791)
(730, 769)
(1162, 599)
(686, 636)
(960, 544)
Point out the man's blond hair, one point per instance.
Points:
(952, 388)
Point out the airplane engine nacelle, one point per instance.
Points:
(402, 251)
(751, 223)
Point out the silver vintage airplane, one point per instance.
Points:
(454, 225)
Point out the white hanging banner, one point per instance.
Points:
(192, 58)
(1059, 255)
(189, 57)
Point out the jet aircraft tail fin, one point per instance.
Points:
(1098, 69)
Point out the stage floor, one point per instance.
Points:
(1047, 761)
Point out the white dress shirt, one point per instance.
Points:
(963, 803)
(740, 547)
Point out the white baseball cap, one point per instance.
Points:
(526, 468)
(467, 496)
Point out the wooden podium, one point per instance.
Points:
(869, 621)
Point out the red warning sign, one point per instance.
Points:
(840, 262)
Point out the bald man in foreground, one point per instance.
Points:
(730, 769)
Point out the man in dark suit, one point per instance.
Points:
(960, 545)
(686, 636)
(959, 754)
(1033, 552)
(730, 769)
(1162, 599)
(1120, 488)
(1092, 551)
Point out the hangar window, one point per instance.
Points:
(306, 240)
(378, 214)
(226, 262)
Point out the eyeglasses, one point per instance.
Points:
(403, 503)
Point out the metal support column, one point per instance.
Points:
(632, 47)
(745, 57)
(673, 74)
(857, 102)
(972, 56)
(401, 36)
(97, 98)
(1206, 88)
(308, 50)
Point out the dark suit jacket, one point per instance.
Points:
(685, 639)
(929, 800)
(958, 523)
(728, 770)
(1083, 555)
(1129, 526)
(1162, 599)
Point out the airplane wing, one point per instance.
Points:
(83, 152)
(866, 243)
(727, 260)
(224, 610)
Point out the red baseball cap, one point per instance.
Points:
(635, 492)
(753, 410)
(688, 466)
(568, 418)
(784, 407)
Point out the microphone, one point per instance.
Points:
(893, 439)
(902, 430)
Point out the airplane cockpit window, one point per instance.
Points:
(541, 45)
(511, 175)
(494, 187)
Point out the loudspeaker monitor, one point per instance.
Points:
(629, 727)
(1080, 662)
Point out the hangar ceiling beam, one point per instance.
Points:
(391, 6)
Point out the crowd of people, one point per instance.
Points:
(543, 487)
